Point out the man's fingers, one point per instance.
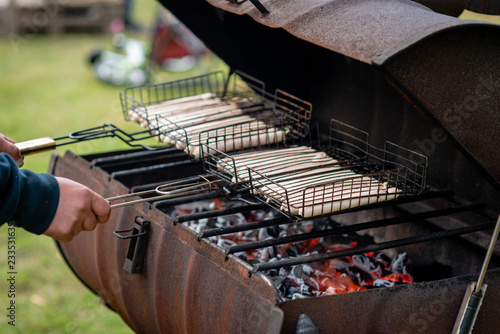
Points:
(99, 212)
(101, 208)
(79, 209)
(10, 140)
(8, 146)
(89, 223)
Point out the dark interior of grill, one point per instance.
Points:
(444, 224)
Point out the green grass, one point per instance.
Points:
(47, 88)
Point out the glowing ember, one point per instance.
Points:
(346, 274)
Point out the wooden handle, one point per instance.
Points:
(36, 145)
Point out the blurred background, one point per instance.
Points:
(62, 67)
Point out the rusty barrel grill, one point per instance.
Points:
(386, 70)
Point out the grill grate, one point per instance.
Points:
(305, 182)
(237, 111)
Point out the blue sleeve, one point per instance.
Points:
(27, 199)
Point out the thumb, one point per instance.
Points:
(101, 208)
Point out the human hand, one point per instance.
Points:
(79, 209)
(8, 146)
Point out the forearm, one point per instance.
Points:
(27, 199)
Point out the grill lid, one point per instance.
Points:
(360, 30)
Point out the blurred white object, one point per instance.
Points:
(128, 68)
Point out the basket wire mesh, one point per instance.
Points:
(352, 173)
(237, 111)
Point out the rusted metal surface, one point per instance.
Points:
(186, 286)
(414, 308)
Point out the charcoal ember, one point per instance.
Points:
(263, 235)
(277, 280)
(225, 243)
(199, 225)
(301, 273)
(248, 235)
(368, 264)
(288, 288)
(292, 290)
(220, 222)
(355, 278)
(284, 272)
(211, 223)
(264, 254)
(352, 273)
(273, 231)
(383, 259)
(292, 251)
(307, 269)
(383, 283)
(298, 296)
(398, 264)
(338, 265)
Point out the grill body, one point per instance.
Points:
(187, 285)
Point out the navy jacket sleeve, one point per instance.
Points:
(27, 199)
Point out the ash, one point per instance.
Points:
(341, 275)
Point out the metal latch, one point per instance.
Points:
(138, 243)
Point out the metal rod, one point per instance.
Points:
(131, 157)
(260, 6)
(185, 199)
(243, 227)
(349, 229)
(151, 169)
(489, 253)
(143, 187)
(153, 199)
(98, 132)
(371, 248)
(164, 191)
(216, 213)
